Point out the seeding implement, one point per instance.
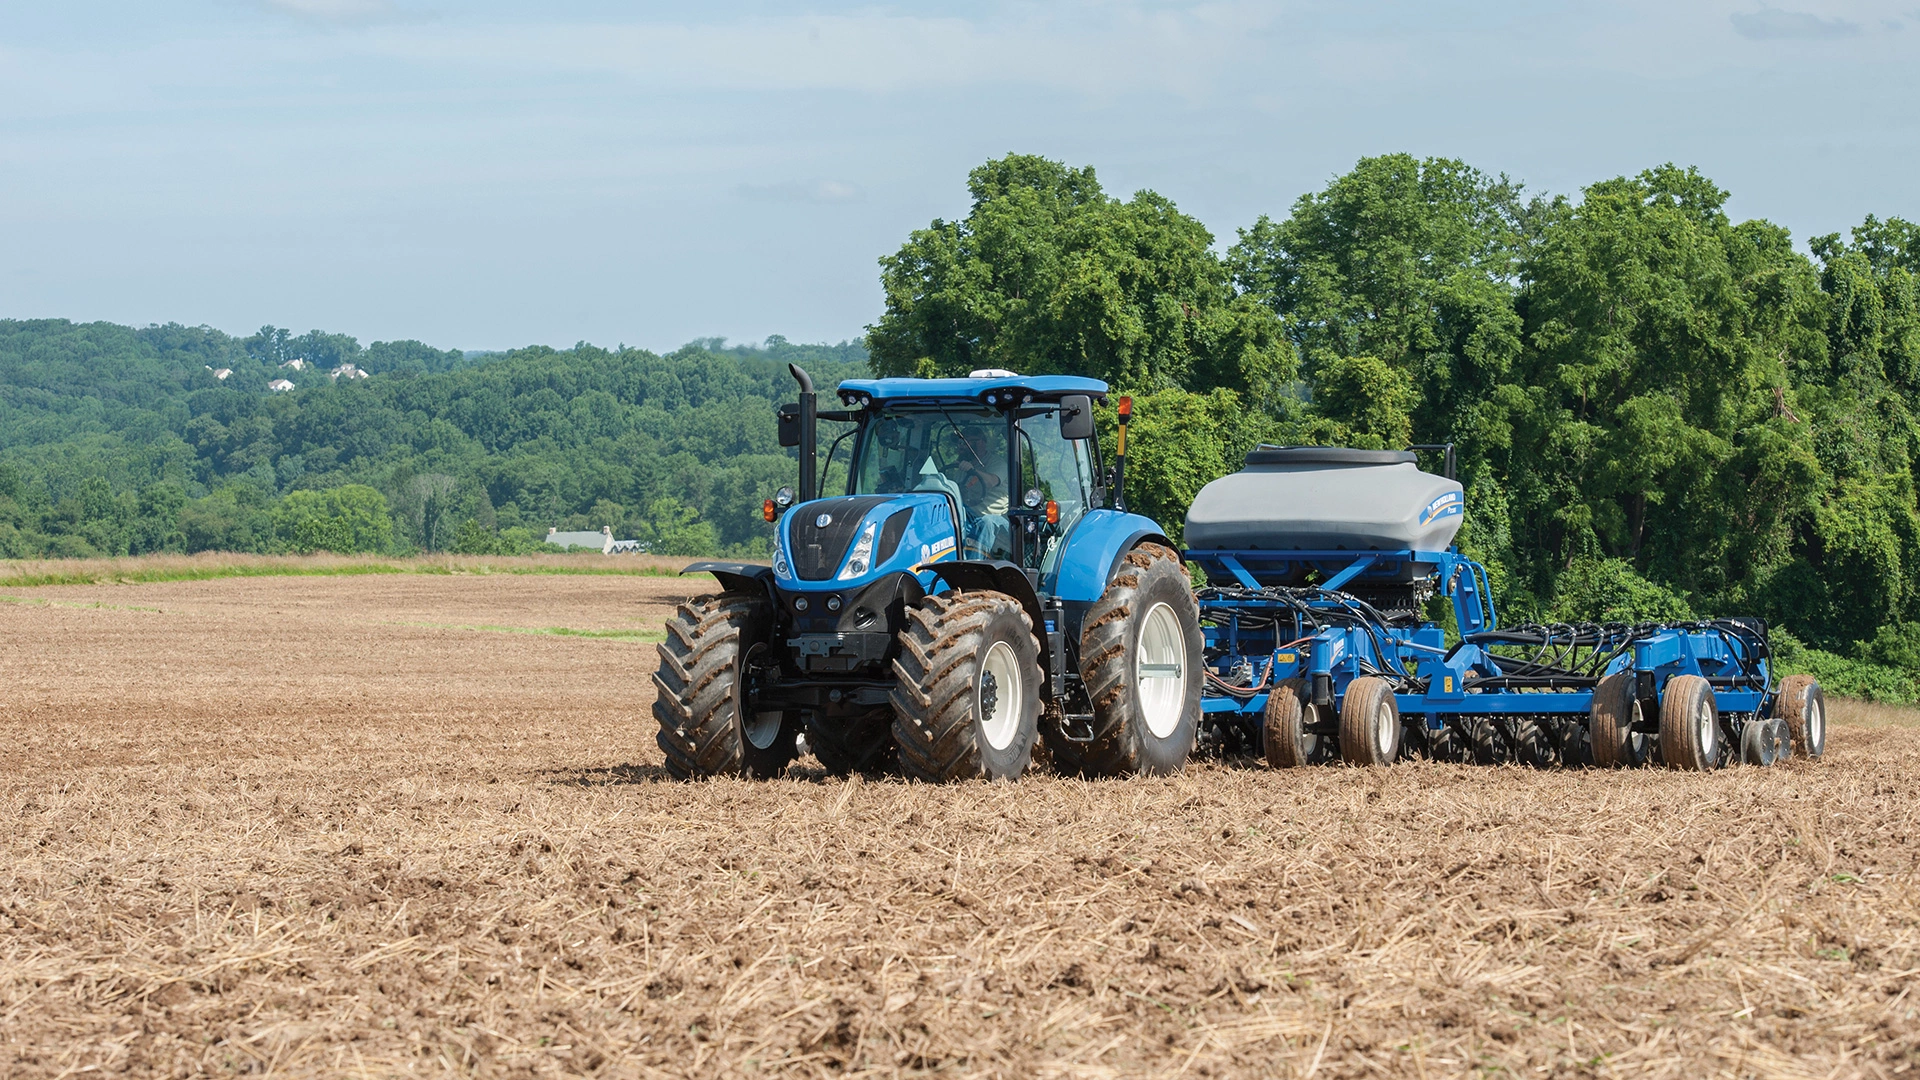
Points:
(1320, 565)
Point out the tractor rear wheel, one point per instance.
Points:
(1803, 705)
(1141, 657)
(1610, 721)
(1290, 711)
(1369, 723)
(707, 726)
(966, 703)
(1689, 725)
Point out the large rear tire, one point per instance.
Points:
(1369, 722)
(707, 725)
(1610, 720)
(1689, 725)
(966, 703)
(1803, 705)
(1141, 657)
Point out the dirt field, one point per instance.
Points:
(359, 826)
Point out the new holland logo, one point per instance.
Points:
(823, 521)
(1447, 504)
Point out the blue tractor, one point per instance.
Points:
(973, 586)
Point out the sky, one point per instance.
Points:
(492, 174)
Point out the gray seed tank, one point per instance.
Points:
(1312, 498)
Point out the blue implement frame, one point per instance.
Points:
(1273, 615)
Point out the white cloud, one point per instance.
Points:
(802, 191)
(1772, 24)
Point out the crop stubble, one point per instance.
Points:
(321, 825)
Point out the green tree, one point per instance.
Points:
(343, 520)
(1048, 274)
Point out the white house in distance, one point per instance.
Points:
(219, 373)
(296, 364)
(348, 370)
(602, 541)
(281, 385)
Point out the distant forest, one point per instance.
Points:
(124, 441)
(1659, 412)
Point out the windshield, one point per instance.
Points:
(959, 451)
(963, 451)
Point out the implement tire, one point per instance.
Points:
(699, 699)
(966, 703)
(1369, 723)
(1289, 710)
(1141, 655)
(1610, 720)
(1689, 725)
(1803, 705)
(1532, 745)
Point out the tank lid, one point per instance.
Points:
(1267, 454)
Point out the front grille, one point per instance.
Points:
(817, 550)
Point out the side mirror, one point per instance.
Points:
(1076, 417)
(789, 419)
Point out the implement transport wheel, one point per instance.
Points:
(1764, 741)
(1290, 710)
(1689, 725)
(967, 701)
(706, 728)
(1484, 743)
(1616, 708)
(1140, 655)
(1369, 723)
(1803, 705)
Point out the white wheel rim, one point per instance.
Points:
(1816, 725)
(997, 696)
(761, 729)
(1160, 669)
(1383, 730)
(1709, 731)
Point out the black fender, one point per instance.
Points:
(737, 577)
(999, 576)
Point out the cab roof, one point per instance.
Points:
(1038, 387)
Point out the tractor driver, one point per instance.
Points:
(978, 468)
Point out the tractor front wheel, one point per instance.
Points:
(966, 703)
(708, 726)
(1141, 656)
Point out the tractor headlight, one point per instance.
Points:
(780, 567)
(1034, 498)
(783, 498)
(862, 558)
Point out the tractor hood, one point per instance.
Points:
(850, 540)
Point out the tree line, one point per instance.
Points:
(1659, 412)
(124, 441)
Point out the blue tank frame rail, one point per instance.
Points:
(1269, 615)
